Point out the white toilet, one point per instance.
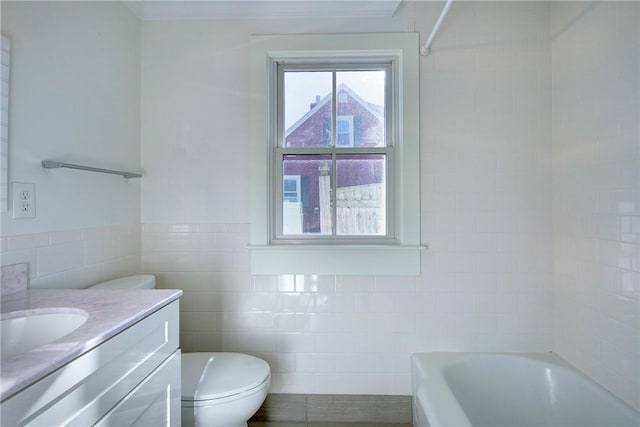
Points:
(218, 389)
(222, 389)
(139, 281)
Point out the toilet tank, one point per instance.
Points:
(138, 281)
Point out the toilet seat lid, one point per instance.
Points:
(207, 376)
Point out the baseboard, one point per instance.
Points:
(336, 408)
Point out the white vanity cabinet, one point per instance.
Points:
(132, 378)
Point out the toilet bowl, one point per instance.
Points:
(218, 389)
(222, 389)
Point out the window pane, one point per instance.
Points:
(361, 195)
(309, 212)
(307, 98)
(361, 95)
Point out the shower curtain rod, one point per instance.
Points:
(426, 49)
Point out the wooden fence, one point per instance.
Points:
(360, 210)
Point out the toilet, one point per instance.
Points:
(218, 389)
(222, 389)
(139, 281)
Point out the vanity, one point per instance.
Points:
(108, 358)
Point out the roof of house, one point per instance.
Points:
(376, 110)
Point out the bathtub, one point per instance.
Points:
(510, 390)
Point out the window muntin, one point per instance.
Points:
(340, 144)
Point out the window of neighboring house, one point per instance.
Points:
(291, 208)
(336, 171)
(291, 188)
(344, 131)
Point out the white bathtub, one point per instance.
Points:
(510, 390)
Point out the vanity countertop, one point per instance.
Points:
(110, 312)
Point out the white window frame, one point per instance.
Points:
(280, 149)
(397, 256)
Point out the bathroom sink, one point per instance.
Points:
(25, 331)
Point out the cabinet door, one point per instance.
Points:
(83, 391)
(154, 403)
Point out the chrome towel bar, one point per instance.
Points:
(50, 164)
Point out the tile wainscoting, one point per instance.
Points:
(336, 334)
(75, 258)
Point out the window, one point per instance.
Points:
(341, 144)
(291, 208)
(291, 189)
(344, 131)
(335, 172)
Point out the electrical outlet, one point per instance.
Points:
(24, 200)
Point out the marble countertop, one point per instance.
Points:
(110, 312)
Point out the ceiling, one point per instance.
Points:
(151, 10)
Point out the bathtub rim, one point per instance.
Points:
(431, 367)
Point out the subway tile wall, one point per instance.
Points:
(75, 258)
(596, 192)
(486, 281)
(486, 175)
(337, 334)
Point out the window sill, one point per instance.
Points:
(336, 259)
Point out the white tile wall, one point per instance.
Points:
(337, 334)
(486, 204)
(596, 192)
(487, 281)
(486, 159)
(75, 258)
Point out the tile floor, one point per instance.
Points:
(317, 410)
(316, 424)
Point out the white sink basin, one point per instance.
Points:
(24, 331)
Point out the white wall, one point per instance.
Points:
(75, 97)
(486, 215)
(195, 110)
(596, 191)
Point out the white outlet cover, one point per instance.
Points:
(24, 200)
